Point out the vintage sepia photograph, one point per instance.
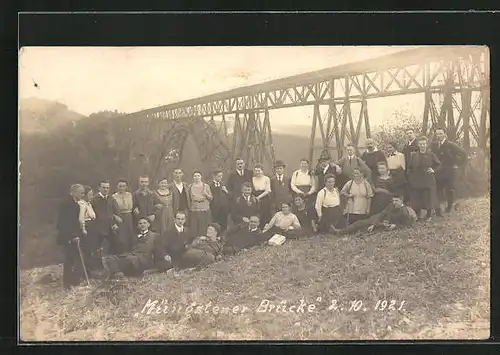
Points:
(254, 193)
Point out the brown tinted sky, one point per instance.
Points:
(90, 79)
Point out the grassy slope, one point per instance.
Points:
(440, 270)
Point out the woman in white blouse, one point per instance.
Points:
(261, 190)
(285, 223)
(328, 205)
(358, 193)
(87, 214)
(303, 182)
(86, 217)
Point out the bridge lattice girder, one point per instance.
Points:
(454, 81)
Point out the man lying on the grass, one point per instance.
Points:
(243, 236)
(204, 250)
(394, 215)
(139, 259)
(285, 223)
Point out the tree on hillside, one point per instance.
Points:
(394, 129)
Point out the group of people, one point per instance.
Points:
(182, 225)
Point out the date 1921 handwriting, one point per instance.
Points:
(283, 307)
(357, 305)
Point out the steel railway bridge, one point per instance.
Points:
(453, 79)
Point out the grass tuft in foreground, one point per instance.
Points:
(437, 274)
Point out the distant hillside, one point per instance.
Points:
(38, 115)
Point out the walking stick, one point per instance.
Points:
(83, 263)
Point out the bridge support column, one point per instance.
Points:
(427, 108)
(466, 115)
(329, 127)
(252, 138)
(485, 111)
(446, 119)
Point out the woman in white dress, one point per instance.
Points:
(261, 190)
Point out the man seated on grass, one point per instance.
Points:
(139, 259)
(204, 250)
(243, 236)
(394, 215)
(285, 223)
(171, 246)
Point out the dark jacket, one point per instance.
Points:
(347, 167)
(320, 174)
(281, 191)
(408, 149)
(144, 202)
(176, 196)
(418, 177)
(235, 182)
(371, 160)
(240, 237)
(173, 243)
(144, 248)
(209, 247)
(306, 216)
(220, 198)
(68, 225)
(241, 208)
(103, 214)
(449, 154)
(404, 216)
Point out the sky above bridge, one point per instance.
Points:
(91, 79)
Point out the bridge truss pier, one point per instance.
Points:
(464, 97)
(339, 126)
(252, 138)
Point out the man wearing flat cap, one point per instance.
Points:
(326, 167)
(281, 190)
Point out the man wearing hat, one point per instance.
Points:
(326, 167)
(281, 190)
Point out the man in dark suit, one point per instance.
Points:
(238, 178)
(451, 157)
(219, 205)
(245, 205)
(103, 224)
(281, 190)
(143, 201)
(410, 146)
(326, 166)
(139, 259)
(173, 244)
(180, 200)
(69, 232)
(243, 236)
